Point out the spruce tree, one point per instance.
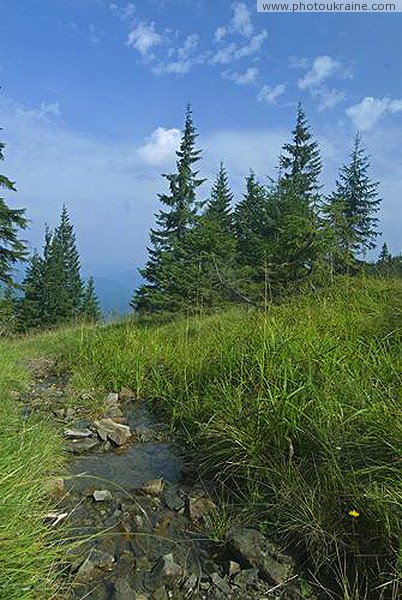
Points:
(207, 251)
(251, 225)
(357, 194)
(385, 255)
(62, 281)
(300, 162)
(90, 310)
(12, 249)
(172, 225)
(31, 307)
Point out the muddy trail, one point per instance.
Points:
(137, 512)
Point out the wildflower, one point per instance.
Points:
(354, 513)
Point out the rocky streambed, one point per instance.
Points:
(136, 514)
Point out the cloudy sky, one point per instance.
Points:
(94, 93)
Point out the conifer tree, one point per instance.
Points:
(52, 285)
(12, 249)
(300, 162)
(357, 194)
(207, 251)
(385, 255)
(90, 310)
(31, 307)
(251, 225)
(172, 225)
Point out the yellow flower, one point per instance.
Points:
(354, 513)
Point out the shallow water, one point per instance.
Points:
(132, 467)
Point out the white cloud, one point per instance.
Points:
(328, 98)
(270, 95)
(232, 51)
(240, 23)
(247, 78)
(366, 114)
(124, 11)
(143, 38)
(182, 59)
(160, 146)
(323, 67)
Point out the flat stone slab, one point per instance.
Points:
(107, 429)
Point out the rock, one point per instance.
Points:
(257, 551)
(114, 412)
(69, 413)
(221, 584)
(102, 495)
(234, 568)
(111, 399)
(78, 433)
(191, 584)
(246, 578)
(167, 570)
(173, 500)
(96, 559)
(108, 429)
(154, 487)
(123, 590)
(81, 446)
(199, 508)
(126, 394)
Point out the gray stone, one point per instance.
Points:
(173, 500)
(191, 583)
(78, 433)
(167, 570)
(221, 584)
(199, 508)
(114, 412)
(81, 446)
(123, 590)
(246, 578)
(102, 495)
(108, 429)
(258, 552)
(112, 398)
(70, 413)
(95, 560)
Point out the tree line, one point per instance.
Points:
(52, 292)
(281, 236)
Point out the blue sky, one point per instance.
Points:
(94, 93)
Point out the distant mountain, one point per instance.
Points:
(115, 290)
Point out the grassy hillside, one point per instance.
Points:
(295, 411)
(30, 453)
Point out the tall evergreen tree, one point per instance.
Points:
(52, 285)
(357, 194)
(300, 162)
(294, 207)
(251, 224)
(12, 249)
(90, 309)
(31, 307)
(172, 225)
(206, 256)
(385, 255)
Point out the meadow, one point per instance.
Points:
(293, 411)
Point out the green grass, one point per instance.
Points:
(30, 453)
(295, 412)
